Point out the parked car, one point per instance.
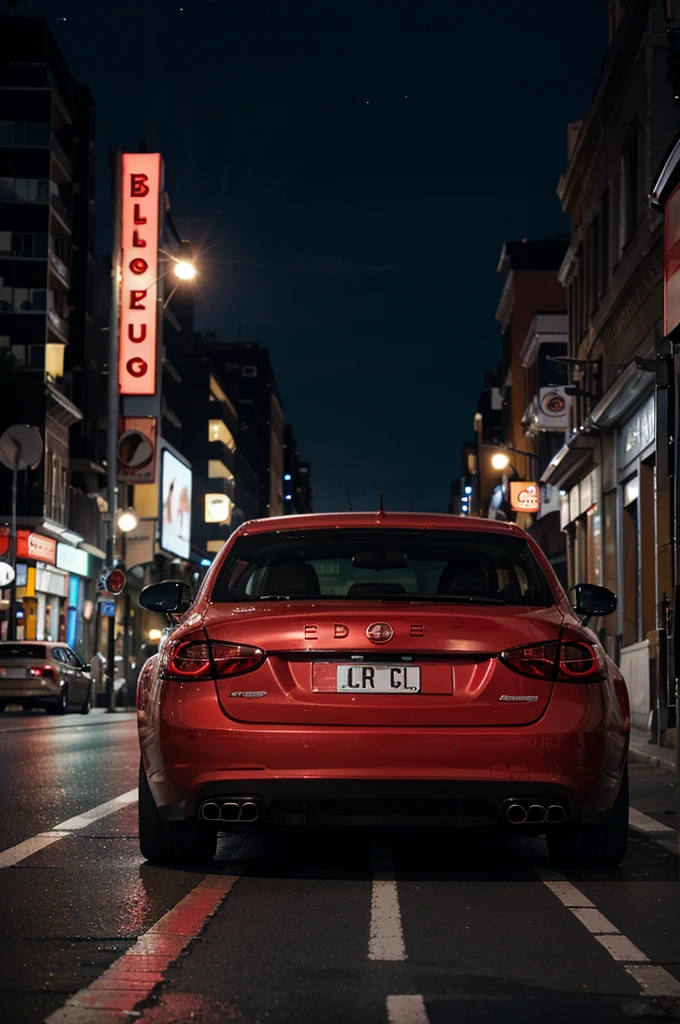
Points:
(386, 670)
(41, 674)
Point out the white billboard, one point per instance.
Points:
(175, 505)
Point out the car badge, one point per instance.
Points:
(248, 693)
(379, 632)
(519, 699)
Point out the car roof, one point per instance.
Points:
(32, 643)
(408, 520)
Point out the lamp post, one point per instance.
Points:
(112, 417)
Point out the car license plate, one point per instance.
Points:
(378, 679)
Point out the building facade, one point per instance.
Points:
(614, 507)
(47, 232)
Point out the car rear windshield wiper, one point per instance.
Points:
(444, 598)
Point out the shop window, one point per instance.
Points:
(630, 568)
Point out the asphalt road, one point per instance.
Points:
(349, 929)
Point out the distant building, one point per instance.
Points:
(47, 233)
(248, 376)
(297, 484)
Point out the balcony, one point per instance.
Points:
(60, 269)
(59, 154)
(85, 518)
(62, 211)
(58, 325)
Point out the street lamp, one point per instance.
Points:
(185, 270)
(500, 461)
(127, 520)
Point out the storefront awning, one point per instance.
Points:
(627, 392)
(572, 458)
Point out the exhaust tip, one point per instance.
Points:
(210, 811)
(515, 814)
(536, 814)
(230, 811)
(249, 811)
(556, 813)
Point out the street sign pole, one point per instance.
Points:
(112, 424)
(12, 621)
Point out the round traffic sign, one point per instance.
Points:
(7, 574)
(115, 581)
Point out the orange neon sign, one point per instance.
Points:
(140, 205)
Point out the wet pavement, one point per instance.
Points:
(309, 929)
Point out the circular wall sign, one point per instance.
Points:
(7, 574)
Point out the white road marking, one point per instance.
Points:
(15, 854)
(95, 813)
(653, 980)
(406, 1010)
(29, 846)
(643, 823)
(386, 941)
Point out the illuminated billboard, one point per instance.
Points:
(175, 512)
(140, 205)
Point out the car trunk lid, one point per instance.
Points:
(454, 647)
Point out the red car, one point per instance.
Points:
(382, 670)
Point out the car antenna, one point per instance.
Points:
(381, 510)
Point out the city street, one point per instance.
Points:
(305, 928)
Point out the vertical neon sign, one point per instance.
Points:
(141, 189)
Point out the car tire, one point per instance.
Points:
(593, 846)
(60, 707)
(171, 842)
(85, 708)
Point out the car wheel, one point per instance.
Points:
(85, 708)
(593, 846)
(171, 842)
(61, 705)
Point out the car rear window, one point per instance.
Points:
(10, 651)
(383, 564)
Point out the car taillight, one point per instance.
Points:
(571, 660)
(188, 660)
(42, 671)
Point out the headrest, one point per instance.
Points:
(466, 577)
(297, 579)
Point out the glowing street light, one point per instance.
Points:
(127, 520)
(500, 460)
(185, 270)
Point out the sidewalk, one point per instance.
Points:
(644, 752)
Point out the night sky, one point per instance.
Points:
(351, 170)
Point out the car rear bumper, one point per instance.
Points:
(29, 689)
(325, 775)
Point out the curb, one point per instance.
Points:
(653, 760)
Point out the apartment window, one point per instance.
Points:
(219, 431)
(21, 243)
(24, 133)
(604, 217)
(630, 189)
(24, 190)
(29, 300)
(594, 264)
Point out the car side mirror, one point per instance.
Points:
(588, 600)
(171, 597)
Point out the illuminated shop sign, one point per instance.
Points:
(140, 205)
(524, 496)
